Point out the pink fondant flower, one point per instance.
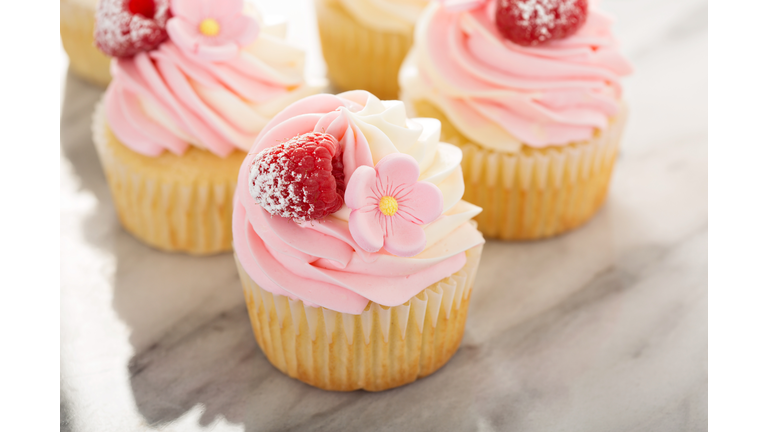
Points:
(461, 5)
(389, 205)
(213, 30)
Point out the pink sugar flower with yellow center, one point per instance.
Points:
(212, 30)
(389, 206)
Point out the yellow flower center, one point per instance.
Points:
(388, 205)
(209, 27)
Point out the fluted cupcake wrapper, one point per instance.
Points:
(76, 24)
(535, 193)
(358, 57)
(173, 203)
(382, 348)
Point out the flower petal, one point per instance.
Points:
(365, 230)
(242, 30)
(189, 11)
(422, 204)
(225, 11)
(208, 8)
(183, 34)
(395, 170)
(360, 187)
(404, 238)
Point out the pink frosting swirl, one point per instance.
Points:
(501, 94)
(319, 262)
(174, 96)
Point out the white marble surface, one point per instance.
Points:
(602, 329)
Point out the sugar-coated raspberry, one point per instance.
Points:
(533, 22)
(128, 27)
(300, 179)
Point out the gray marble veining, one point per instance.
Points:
(601, 329)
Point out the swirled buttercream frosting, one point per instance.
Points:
(502, 95)
(320, 261)
(215, 83)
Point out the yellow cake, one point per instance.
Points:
(364, 42)
(381, 348)
(534, 193)
(171, 202)
(76, 24)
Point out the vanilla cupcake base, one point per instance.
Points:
(358, 57)
(382, 348)
(538, 192)
(173, 203)
(76, 24)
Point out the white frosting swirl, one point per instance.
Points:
(388, 130)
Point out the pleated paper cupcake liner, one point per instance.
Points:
(173, 203)
(536, 193)
(76, 26)
(382, 348)
(358, 57)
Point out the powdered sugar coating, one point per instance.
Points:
(533, 22)
(119, 33)
(300, 179)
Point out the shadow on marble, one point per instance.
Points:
(215, 364)
(65, 413)
(209, 359)
(510, 365)
(77, 148)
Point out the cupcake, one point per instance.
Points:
(356, 253)
(529, 90)
(365, 41)
(76, 25)
(192, 88)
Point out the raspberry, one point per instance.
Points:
(128, 27)
(301, 179)
(142, 7)
(533, 22)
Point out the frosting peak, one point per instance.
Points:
(502, 95)
(213, 92)
(331, 263)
